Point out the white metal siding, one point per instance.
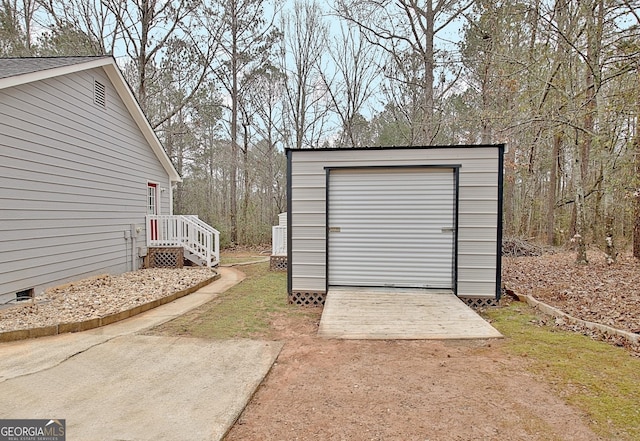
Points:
(477, 212)
(73, 178)
(391, 227)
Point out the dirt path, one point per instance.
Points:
(402, 390)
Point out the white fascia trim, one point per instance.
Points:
(17, 80)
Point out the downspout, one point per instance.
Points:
(171, 186)
(134, 235)
(127, 236)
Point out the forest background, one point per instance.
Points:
(229, 84)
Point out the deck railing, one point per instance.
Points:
(189, 232)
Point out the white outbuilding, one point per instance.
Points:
(395, 217)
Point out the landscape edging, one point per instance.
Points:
(85, 325)
(555, 312)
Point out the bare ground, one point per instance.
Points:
(323, 389)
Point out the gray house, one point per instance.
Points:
(85, 185)
(411, 217)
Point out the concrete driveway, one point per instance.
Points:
(112, 384)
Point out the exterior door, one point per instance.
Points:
(392, 227)
(152, 208)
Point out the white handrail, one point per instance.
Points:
(189, 232)
(216, 234)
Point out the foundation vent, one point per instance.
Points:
(25, 294)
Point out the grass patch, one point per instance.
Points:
(232, 260)
(600, 379)
(244, 311)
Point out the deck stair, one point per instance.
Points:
(199, 240)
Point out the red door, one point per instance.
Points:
(152, 208)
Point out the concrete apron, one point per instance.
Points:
(110, 384)
(398, 313)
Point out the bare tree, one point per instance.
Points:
(155, 35)
(301, 53)
(246, 45)
(636, 151)
(16, 27)
(265, 101)
(632, 9)
(93, 19)
(555, 81)
(356, 69)
(406, 31)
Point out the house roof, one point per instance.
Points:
(10, 67)
(17, 71)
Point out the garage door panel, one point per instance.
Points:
(390, 245)
(391, 197)
(413, 221)
(391, 227)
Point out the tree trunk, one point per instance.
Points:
(578, 238)
(233, 193)
(610, 249)
(636, 145)
(553, 184)
(593, 29)
(245, 180)
(428, 133)
(146, 15)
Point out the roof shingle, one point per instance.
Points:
(10, 67)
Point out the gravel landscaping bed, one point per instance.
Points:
(99, 296)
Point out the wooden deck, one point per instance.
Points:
(410, 314)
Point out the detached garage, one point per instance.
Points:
(401, 217)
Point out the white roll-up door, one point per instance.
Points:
(391, 227)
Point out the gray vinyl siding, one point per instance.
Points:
(73, 178)
(477, 211)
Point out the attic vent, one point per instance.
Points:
(99, 94)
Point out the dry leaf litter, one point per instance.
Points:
(596, 292)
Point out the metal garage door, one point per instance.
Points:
(392, 227)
